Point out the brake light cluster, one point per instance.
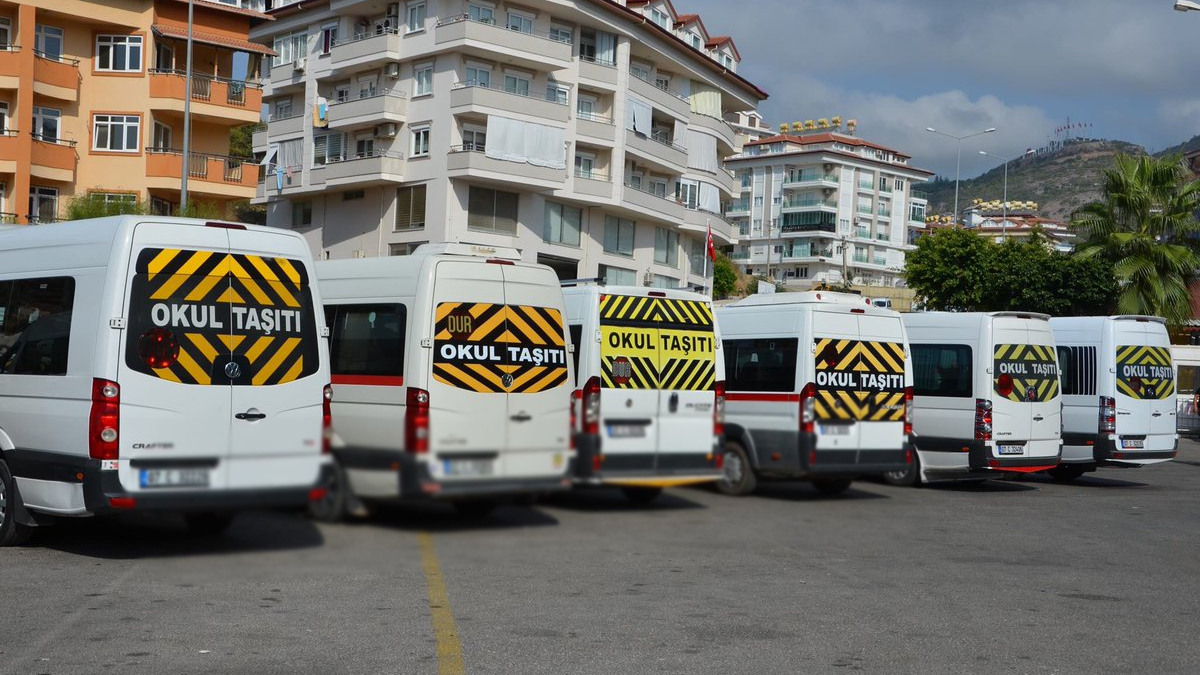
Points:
(908, 410)
(983, 419)
(808, 408)
(1108, 414)
(326, 418)
(719, 409)
(416, 421)
(104, 422)
(591, 406)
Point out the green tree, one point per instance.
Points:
(96, 206)
(948, 270)
(724, 276)
(1145, 228)
(241, 143)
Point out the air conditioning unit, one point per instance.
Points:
(299, 64)
(387, 130)
(648, 279)
(392, 70)
(828, 167)
(393, 10)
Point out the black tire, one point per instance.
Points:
(208, 524)
(475, 508)
(641, 495)
(738, 477)
(331, 508)
(832, 486)
(1066, 473)
(12, 533)
(910, 477)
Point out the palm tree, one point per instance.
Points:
(1146, 227)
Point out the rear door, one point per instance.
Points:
(1145, 380)
(276, 358)
(686, 377)
(1024, 385)
(839, 404)
(629, 397)
(1043, 389)
(881, 375)
(176, 402)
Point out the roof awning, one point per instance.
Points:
(180, 32)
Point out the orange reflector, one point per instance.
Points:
(431, 488)
(395, 466)
(317, 494)
(775, 456)
(122, 502)
(79, 476)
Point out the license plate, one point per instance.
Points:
(1011, 449)
(835, 429)
(154, 478)
(1133, 443)
(626, 431)
(467, 467)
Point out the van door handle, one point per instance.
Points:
(1156, 414)
(521, 417)
(250, 416)
(1038, 418)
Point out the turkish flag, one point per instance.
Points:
(712, 251)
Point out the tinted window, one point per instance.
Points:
(760, 365)
(1189, 377)
(35, 325)
(1077, 368)
(366, 339)
(942, 370)
(576, 330)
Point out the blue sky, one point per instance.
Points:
(1131, 68)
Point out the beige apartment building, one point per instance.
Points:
(588, 134)
(92, 97)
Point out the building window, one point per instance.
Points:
(43, 204)
(290, 48)
(663, 281)
(283, 108)
(119, 53)
(492, 210)
(618, 236)
(161, 207)
(3, 116)
(660, 17)
(562, 224)
(35, 323)
(899, 184)
(697, 257)
(420, 142)
(598, 47)
(5, 33)
(585, 107)
(45, 123)
(561, 34)
(162, 137)
(404, 249)
(520, 22)
(351, 195)
(364, 146)
(478, 76)
(556, 92)
(697, 43)
(48, 41)
(657, 186)
(329, 36)
(341, 93)
(585, 162)
(474, 138)
(481, 13)
(302, 213)
(423, 80)
(410, 208)
(116, 133)
(666, 247)
(329, 147)
(515, 83)
(416, 17)
(617, 276)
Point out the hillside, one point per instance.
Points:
(1182, 149)
(1059, 182)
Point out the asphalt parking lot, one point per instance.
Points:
(1026, 577)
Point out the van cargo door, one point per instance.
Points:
(629, 346)
(1025, 391)
(1145, 385)
(686, 376)
(881, 367)
(835, 355)
(1011, 418)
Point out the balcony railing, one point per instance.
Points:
(600, 62)
(592, 175)
(202, 86)
(810, 177)
(374, 152)
(490, 87)
(55, 57)
(663, 138)
(917, 194)
(860, 257)
(862, 233)
(800, 203)
(456, 18)
(884, 212)
(593, 117)
(200, 165)
(866, 185)
(656, 85)
(291, 115)
(7, 218)
(45, 138)
(365, 35)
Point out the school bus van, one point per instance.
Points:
(986, 396)
(451, 377)
(1119, 405)
(157, 364)
(649, 386)
(818, 387)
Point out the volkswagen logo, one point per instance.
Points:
(232, 370)
(506, 380)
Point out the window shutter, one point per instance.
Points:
(403, 208)
(417, 219)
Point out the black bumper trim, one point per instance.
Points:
(833, 463)
(416, 483)
(639, 465)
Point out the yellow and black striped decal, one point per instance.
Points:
(656, 343)
(859, 380)
(238, 319)
(495, 348)
(1033, 369)
(1145, 372)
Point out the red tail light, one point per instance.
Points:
(908, 410)
(1004, 385)
(326, 418)
(983, 419)
(719, 409)
(158, 348)
(416, 421)
(808, 408)
(591, 406)
(576, 397)
(104, 423)
(1108, 414)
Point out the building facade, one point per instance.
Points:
(823, 207)
(588, 134)
(92, 97)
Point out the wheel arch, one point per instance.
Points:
(736, 432)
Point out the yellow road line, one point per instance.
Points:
(449, 649)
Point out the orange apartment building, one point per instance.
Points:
(92, 97)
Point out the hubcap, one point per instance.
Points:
(733, 468)
(3, 503)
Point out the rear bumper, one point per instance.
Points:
(643, 469)
(982, 459)
(417, 483)
(1104, 451)
(850, 463)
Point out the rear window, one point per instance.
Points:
(366, 340)
(760, 365)
(942, 370)
(1025, 373)
(1145, 373)
(35, 325)
(576, 330)
(1078, 368)
(1189, 376)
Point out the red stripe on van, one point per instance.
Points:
(370, 380)
(777, 398)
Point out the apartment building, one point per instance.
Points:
(586, 133)
(92, 97)
(820, 204)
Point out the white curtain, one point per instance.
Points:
(706, 100)
(679, 134)
(517, 141)
(710, 198)
(702, 152)
(606, 48)
(637, 115)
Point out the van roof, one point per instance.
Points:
(601, 289)
(473, 250)
(1083, 320)
(1017, 315)
(807, 297)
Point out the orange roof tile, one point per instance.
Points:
(212, 39)
(230, 8)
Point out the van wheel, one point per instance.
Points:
(1065, 473)
(475, 508)
(832, 486)
(737, 477)
(331, 508)
(641, 495)
(909, 477)
(12, 533)
(208, 524)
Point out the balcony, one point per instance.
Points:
(740, 207)
(657, 150)
(491, 41)
(381, 166)
(53, 159)
(55, 77)
(805, 228)
(806, 179)
(472, 97)
(595, 126)
(806, 255)
(598, 72)
(663, 99)
(799, 205)
(386, 106)
(288, 75)
(662, 207)
(292, 123)
(883, 213)
(363, 49)
(593, 184)
(10, 144)
(717, 127)
(10, 67)
(219, 175)
(471, 162)
(698, 221)
(862, 232)
(217, 99)
(258, 139)
(917, 194)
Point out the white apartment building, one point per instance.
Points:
(588, 134)
(824, 206)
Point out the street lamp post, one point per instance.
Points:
(1186, 5)
(1004, 206)
(958, 165)
(187, 119)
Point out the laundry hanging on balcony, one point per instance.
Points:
(637, 115)
(710, 198)
(516, 141)
(321, 112)
(705, 100)
(702, 152)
